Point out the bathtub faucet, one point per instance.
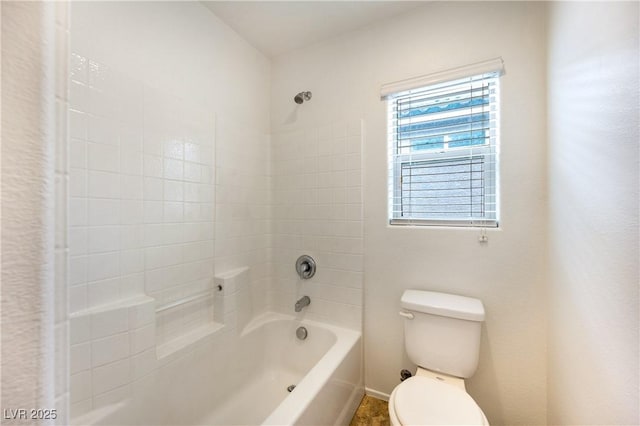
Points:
(304, 301)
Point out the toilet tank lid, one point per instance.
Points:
(448, 305)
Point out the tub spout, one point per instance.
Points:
(304, 301)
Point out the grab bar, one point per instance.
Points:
(203, 295)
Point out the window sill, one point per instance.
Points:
(444, 223)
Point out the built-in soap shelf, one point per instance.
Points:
(231, 306)
(130, 329)
(231, 311)
(140, 301)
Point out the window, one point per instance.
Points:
(443, 148)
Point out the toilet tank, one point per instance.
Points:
(444, 332)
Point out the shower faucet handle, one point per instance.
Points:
(305, 267)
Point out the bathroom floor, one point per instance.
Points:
(371, 412)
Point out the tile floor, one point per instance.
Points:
(371, 412)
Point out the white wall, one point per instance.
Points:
(169, 112)
(593, 222)
(508, 274)
(34, 304)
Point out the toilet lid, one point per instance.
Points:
(422, 400)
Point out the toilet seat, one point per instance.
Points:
(421, 400)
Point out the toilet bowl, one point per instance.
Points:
(442, 337)
(425, 400)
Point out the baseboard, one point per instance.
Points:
(376, 394)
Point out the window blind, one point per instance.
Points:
(443, 152)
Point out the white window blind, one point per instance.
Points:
(443, 152)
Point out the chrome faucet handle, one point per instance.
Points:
(305, 267)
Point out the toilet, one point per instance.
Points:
(442, 337)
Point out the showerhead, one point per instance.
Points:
(301, 97)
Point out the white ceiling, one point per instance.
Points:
(276, 27)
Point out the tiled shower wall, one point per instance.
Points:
(143, 196)
(141, 215)
(243, 206)
(317, 210)
(141, 190)
(168, 122)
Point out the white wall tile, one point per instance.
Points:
(130, 237)
(77, 270)
(111, 397)
(109, 322)
(130, 161)
(173, 169)
(78, 241)
(131, 136)
(153, 188)
(152, 165)
(101, 130)
(131, 261)
(153, 211)
(152, 142)
(80, 329)
(111, 376)
(174, 149)
(131, 212)
(104, 185)
(80, 357)
(152, 235)
(109, 349)
(104, 238)
(78, 68)
(78, 124)
(103, 157)
(104, 212)
(173, 191)
(142, 339)
(81, 386)
(141, 315)
(131, 187)
(103, 292)
(132, 285)
(78, 298)
(78, 153)
(77, 212)
(173, 212)
(77, 182)
(103, 266)
(79, 96)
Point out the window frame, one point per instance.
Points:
(489, 150)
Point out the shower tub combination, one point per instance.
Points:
(246, 379)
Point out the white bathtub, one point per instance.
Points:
(243, 379)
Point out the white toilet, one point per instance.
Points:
(442, 336)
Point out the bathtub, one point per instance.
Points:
(243, 379)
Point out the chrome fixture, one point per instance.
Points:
(290, 388)
(301, 97)
(302, 333)
(305, 267)
(304, 301)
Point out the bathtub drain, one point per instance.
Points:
(291, 388)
